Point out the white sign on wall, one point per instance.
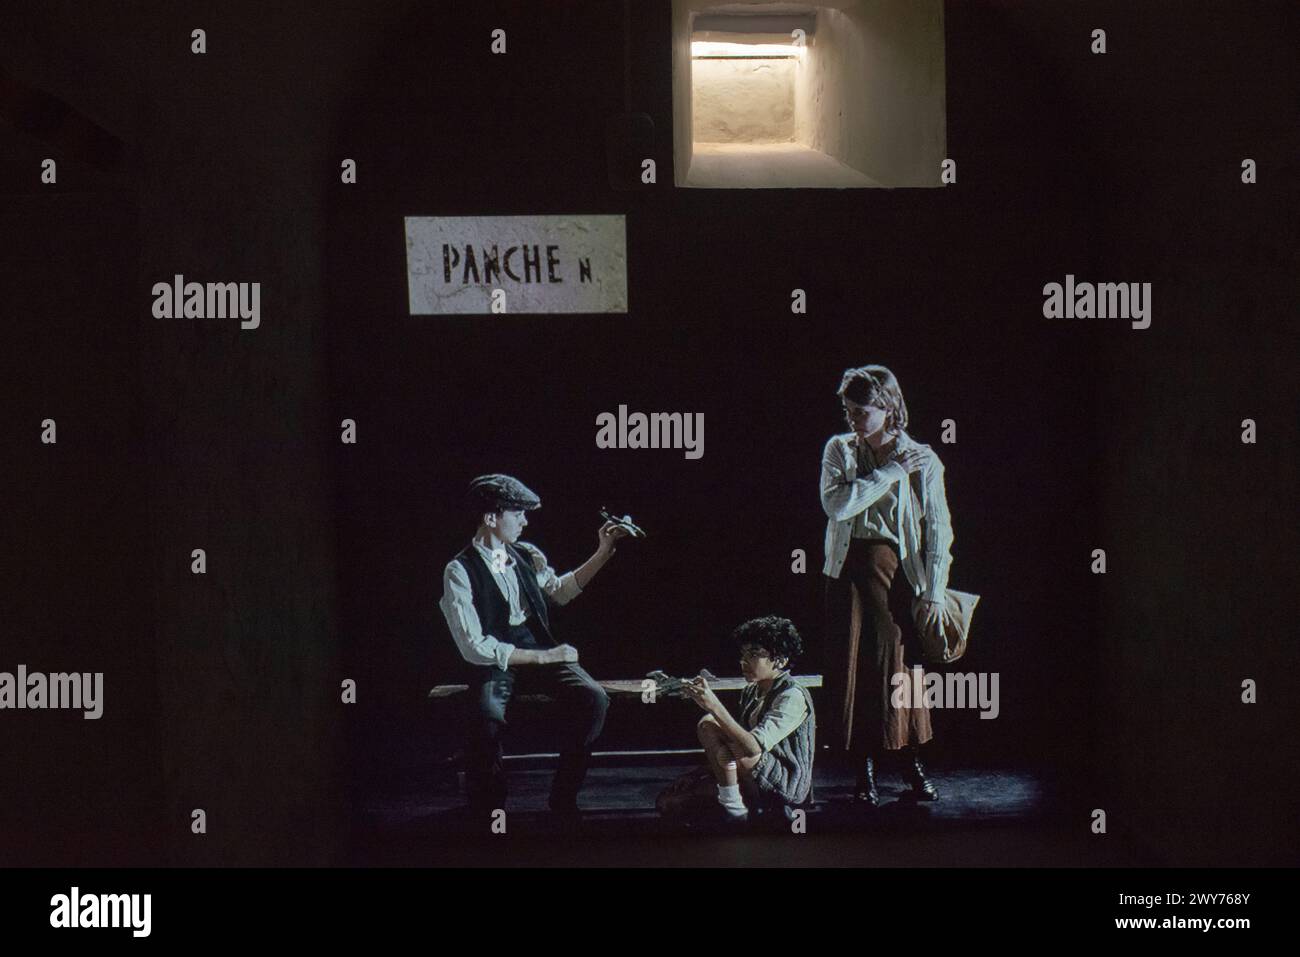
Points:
(543, 263)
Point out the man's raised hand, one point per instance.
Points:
(609, 533)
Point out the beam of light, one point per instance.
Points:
(714, 48)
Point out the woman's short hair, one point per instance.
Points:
(777, 636)
(876, 385)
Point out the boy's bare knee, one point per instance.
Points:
(707, 729)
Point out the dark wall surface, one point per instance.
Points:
(324, 560)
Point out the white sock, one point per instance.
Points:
(731, 801)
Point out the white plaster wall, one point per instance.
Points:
(762, 6)
(743, 101)
(682, 123)
(870, 91)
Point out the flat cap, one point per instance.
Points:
(497, 492)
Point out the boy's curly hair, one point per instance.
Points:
(777, 636)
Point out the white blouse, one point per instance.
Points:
(880, 518)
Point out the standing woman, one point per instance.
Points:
(874, 526)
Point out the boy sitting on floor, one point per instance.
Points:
(765, 758)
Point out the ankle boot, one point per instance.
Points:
(914, 775)
(865, 792)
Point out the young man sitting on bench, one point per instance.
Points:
(494, 600)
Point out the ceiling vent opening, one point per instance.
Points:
(837, 95)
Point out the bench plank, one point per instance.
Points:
(632, 686)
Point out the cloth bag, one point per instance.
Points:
(940, 645)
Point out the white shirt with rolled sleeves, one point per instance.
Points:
(925, 536)
(458, 602)
(784, 714)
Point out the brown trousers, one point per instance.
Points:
(864, 650)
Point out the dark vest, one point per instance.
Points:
(785, 772)
(492, 607)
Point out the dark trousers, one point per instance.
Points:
(865, 649)
(579, 716)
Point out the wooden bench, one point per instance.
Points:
(626, 686)
(624, 689)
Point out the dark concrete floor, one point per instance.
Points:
(983, 817)
(628, 794)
